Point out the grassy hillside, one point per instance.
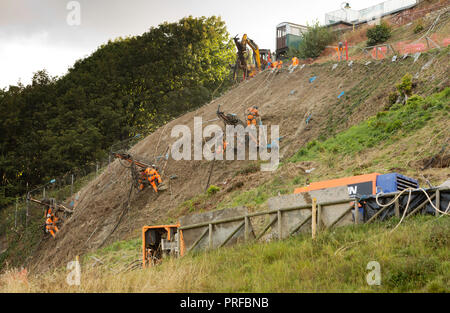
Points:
(413, 258)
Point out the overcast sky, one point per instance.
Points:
(35, 34)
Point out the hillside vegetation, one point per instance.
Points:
(127, 86)
(353, 118)
(103, 199)
(413, 258)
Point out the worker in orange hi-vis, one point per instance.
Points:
(221, 149)
(280, 64)
(252, 114)
(274, 64)
(269, 61)
(153, 177)
(340, 51)
(50, 225)
(295, 61)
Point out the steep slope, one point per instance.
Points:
(284, 99)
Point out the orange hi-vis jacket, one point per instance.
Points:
(222, 148)
(50, 225)
(152, 176)
(251, 116)
(295, 61)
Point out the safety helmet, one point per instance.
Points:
(153, 165)
(48, 215)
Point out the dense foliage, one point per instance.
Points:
(378, 34)
(314, 41)
(128, 86)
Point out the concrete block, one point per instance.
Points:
(328, 214)
(220, 231)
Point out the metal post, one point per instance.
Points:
(356, 212)
(15, 213)
(71, 187)
(346, 48)
(314, 218)
(96, 170)
(43, 194)
(26, 217)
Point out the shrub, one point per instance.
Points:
(378, 34)
(405, 86)
(213, 189)
(314, 41)
(418, 28)
(393, 96)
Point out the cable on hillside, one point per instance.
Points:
(125, 209)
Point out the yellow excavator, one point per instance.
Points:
(249, 63)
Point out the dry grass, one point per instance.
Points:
(335, 262)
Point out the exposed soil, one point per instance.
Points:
(103, 200)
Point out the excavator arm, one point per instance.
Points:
(241, 62)
(58, 206)
(129, 158)
(254, 46)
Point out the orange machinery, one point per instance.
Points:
(365, 185)
(161, 241)
(361, 184)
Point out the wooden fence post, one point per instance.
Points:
(319, 217)
(356, 212)
(397, 208)
(438, 201)
(280, 236)
(314, 218)
(246, 226)
(210, 236)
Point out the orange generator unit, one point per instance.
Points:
(159, 242)
(364, 185)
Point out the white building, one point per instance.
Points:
(368, 14)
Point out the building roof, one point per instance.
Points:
(298, 25)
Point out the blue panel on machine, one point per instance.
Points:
(393, 182)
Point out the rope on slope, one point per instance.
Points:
(125, 209)
(345, 247)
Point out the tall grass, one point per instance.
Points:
(414, 258)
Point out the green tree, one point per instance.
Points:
(127, 86)
(378, 34)
(314, 41)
